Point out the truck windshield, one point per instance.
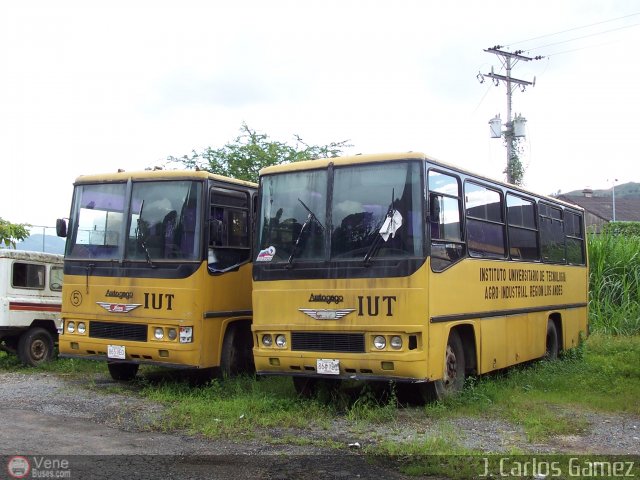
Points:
(160, 222)
(375, 212)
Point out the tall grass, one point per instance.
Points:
(614, 278)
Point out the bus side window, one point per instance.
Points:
(229, 229)
(552, 238)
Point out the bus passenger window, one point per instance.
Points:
(485, 223)
(523, 231)
(552, 238)
(574, 238)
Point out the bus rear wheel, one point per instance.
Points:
(452, 381)
(35, 346)
(552, 346)
(121, 371)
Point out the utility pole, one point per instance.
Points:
(613, 192)
(509, 60)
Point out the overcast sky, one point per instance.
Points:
(88, 89)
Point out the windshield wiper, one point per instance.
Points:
(391, 229)
(142, 243)
(140, 237)
(311, 217)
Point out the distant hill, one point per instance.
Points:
(625, 190)
(52, 244)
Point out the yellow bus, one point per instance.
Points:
(157, 270)
(400, 267)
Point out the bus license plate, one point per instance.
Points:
(116, 351)
(328, 367)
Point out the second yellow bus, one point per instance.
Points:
(400, 267)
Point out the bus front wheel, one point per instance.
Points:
(121, 371)
(305, 387)
(35, 346)
(452, 381)
(237, 352)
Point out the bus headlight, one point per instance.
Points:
(267, 340)
(81, 328)
(172, 334)
(71, 327)
(158, 333)
(396, 342)
(281, 341)
(186, 334)
(379, 342)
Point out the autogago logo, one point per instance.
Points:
(38, 467)
(326, 298)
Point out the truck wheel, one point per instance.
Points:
(121, 371)
(35, 346)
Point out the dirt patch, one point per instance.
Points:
(47, 414)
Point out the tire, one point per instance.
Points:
(237, 352)
(305, 387)
(552, 347)
(453, 378)
(35, 347)
(122, 371)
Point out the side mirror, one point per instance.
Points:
(61, 227)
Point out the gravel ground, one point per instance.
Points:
(47, 414)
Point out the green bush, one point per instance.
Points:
(614, 281)
(628, 229)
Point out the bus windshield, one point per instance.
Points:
(374, 212)
(158, 223)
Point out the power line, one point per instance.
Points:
(572, 29)
(579, 48)
(584, 36)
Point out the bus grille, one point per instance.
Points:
(327, 342)
(118, 331)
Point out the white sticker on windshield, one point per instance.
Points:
(266, 255)
(391, 225)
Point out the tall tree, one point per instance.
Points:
(251, 151)
(10, 233)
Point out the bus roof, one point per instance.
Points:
(395, 157)
(31, 256)
(347, 160)
(159, 175)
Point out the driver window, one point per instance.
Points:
(447, 246)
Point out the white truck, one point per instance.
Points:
(30, 302)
